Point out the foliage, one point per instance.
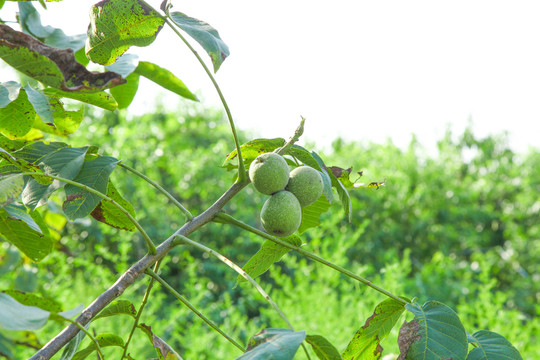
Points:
(51, 189)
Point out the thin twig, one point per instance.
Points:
(128, 278)
(230, 220)
(187, 214)
(184, 301)
(139, 312)
(149, 242)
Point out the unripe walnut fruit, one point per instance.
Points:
(269, 173)
(281, 214)
(306, 184)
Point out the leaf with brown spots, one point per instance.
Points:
(439, 334)
(51, 66)
(365, 344)
(109, 214)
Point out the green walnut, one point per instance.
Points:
(306, 184)
(281, 214)
(269, 173)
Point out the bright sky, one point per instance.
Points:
(363, 70)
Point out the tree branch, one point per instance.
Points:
(129, 277)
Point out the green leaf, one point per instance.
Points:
(343, 195)
(276, 344)
(104, 340)
(65, 162)
(16, 316)
(10, 188)
(31, 299)
(124, 94)
(118, 307)
(65, 121)
(252, 149)
(31, 24)
(94, 173)
(164, 350)
(115, 25)
(205, 35)
(435, 333)
(323, 348)
(311, 214)
(71, 348)
(17, 118)
(100, 99)
(20, 229)
(40, 103)
(109, 214)
(51, 66)
(6, 345)
(492, 346)
(164, 78)
(9, 91)
(26, 159)
(365, 344)
(268, 254)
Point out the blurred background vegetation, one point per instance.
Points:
(460, 225)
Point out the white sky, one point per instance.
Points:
(363, 70)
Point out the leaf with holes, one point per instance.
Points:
(205, 35)
(116, 25)
(491, 346)
(51, 66)
(435, 333)
(365, 344)
(95, 174)
(109, 214)
(268, 254)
